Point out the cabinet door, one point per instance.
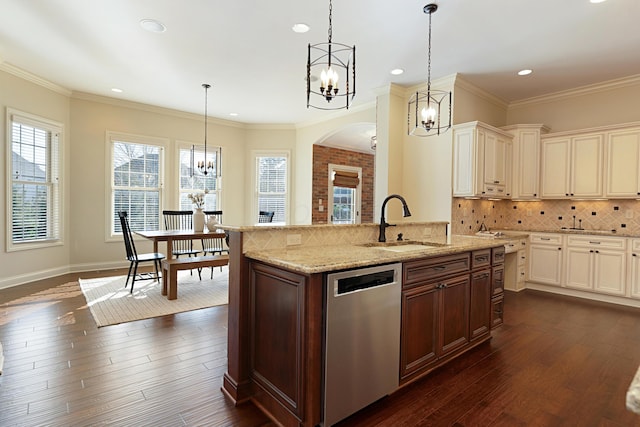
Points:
(579, 268)
(495, 149)
(419, 331)
(609, 271)
(586, 165)
(623, 164)
(634, 276)
(480, 314)
(545, 263)
(454, 315)
(528, 161)
(465, 162)
(555, 167)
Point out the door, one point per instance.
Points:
(609, 272)
(555, 167)
(586, 165)
(623, 158)
(545, 263)
(579, 268)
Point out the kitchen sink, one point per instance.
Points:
(403, 246)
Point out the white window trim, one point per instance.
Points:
(254, 179)
(41, 122)
(333, 167)
(111, 136)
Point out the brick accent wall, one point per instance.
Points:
(322, 156)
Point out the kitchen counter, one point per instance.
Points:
(633, 394)
(320, 259)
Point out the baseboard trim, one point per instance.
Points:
(612, 299)
(34, 276)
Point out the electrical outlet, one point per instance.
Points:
(628, 214)
(426, 231)
(294, 239)
(529, 212)
(321, 208)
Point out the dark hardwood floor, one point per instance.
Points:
(556, 361)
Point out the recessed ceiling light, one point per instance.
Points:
(116, 90)
(300, 28)
(397, 71)
(153, 26)
(233, 114)
(524, 72)
(597, 1)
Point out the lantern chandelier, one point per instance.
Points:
(206, 170)
(337, 63)
(204, 166)
(430, 111)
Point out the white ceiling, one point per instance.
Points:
(257, 64)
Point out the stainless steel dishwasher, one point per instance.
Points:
(362, 339)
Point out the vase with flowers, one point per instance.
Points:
(198, 214)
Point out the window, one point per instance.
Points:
(35, 217)
(136, 182)
(345, 194)
(272, 185)
(193, 180)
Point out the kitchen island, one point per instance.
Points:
(452, 288)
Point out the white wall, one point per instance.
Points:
(51, 103)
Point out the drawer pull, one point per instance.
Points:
(440, 267)
(482, 276)
(545, 238)
(594, 243)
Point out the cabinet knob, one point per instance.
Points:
(559, 249)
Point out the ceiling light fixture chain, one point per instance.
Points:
(203, 166)
(426, 109)
(330, 63)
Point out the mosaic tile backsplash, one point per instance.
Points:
(623, 216)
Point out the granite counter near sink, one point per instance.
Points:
(320, 259)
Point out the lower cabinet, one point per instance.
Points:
(434, 322)
(448, 306)
(596, 264)
(545, 258)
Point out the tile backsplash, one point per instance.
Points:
(546, 215)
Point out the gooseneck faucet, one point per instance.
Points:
(383, 221)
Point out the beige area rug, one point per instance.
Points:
(110, 303)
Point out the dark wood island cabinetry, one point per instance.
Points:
(276, 324)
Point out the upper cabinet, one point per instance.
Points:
(481, 161)
(623, 163)
(572, 166)
(525, 177)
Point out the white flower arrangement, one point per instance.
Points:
(197, 199)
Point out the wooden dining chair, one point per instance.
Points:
(134, 257)
(180, 220)
(216, 245)
(265, 216)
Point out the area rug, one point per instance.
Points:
(110, 303)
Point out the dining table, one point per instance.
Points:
(169, 236)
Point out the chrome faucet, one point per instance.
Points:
(383, 221)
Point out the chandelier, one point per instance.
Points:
(337, 62)
(205, 166)
(430, 111)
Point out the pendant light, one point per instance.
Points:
(430, 111)
(334, 65)
(205, 166)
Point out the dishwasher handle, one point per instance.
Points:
(347, 285)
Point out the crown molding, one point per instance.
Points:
(338, 114)
(623, 82)
(25, 75)
(84, 96)
(462, 83)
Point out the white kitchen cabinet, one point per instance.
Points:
(545, 258)
(622, 150)
(634, 269)
(572, 166)
(525, 160)
(596, 264)
(481, 161)
(515, 265)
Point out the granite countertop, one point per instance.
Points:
(320, 259)
(633, 394)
